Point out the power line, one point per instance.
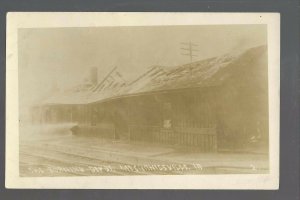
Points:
(189, 49)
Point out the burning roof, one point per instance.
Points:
(209, 72)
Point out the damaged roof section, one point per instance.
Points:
(205, 73)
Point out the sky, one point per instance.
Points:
(64, 56)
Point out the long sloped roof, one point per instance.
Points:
(158, 78)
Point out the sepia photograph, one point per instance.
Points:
(140, 100)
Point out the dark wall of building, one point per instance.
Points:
(242, 101)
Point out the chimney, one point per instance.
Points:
(94, 75)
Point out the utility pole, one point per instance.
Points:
(189, 48)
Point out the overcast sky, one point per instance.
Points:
(65, 55)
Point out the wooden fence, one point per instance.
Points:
(204, 139)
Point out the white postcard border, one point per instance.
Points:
(17, 20)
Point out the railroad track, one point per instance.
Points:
(56, 158)
(51, 156)
(68, 152)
